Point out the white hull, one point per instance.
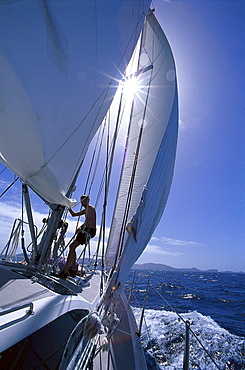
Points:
(39, 313)
(47, 306)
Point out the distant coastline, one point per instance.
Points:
(162, 267)
(155, 267)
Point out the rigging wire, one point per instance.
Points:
(147, 329)
(112, 150)
(97, 145)
(105, 180)
(129, 195)
(181, 318)
(17, 178)
(109, 163)
(133, 174)
(3, 170)
(96, 49)
(105, 204)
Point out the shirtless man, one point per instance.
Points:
(87, 229)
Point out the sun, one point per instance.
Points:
(130, 88)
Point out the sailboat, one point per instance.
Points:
(67, 69)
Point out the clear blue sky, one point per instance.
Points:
(203, 224)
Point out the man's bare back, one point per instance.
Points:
(90, 215)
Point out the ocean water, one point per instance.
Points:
(213, 303)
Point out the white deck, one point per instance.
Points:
(16, 288)
(50, 297)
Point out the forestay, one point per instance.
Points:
(148, 167)
(59, 63)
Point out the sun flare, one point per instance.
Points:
(130, 87)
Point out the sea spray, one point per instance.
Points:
(163, 337)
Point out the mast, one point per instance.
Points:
(48, 237)
(52, 225)
(30, 218)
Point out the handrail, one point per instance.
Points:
(17, 308)
(12, 236)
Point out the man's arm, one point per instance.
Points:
(80, 213)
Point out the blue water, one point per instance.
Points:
(214, 304)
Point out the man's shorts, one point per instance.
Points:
(81, 236)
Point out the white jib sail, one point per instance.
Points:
(153, 127)
(59, 62)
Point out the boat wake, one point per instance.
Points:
(163, 337)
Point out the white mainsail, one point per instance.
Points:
(59, 61)
(148, 167)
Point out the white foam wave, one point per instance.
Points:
(165, 332)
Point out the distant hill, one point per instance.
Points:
(151, 266)
(161, 267)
